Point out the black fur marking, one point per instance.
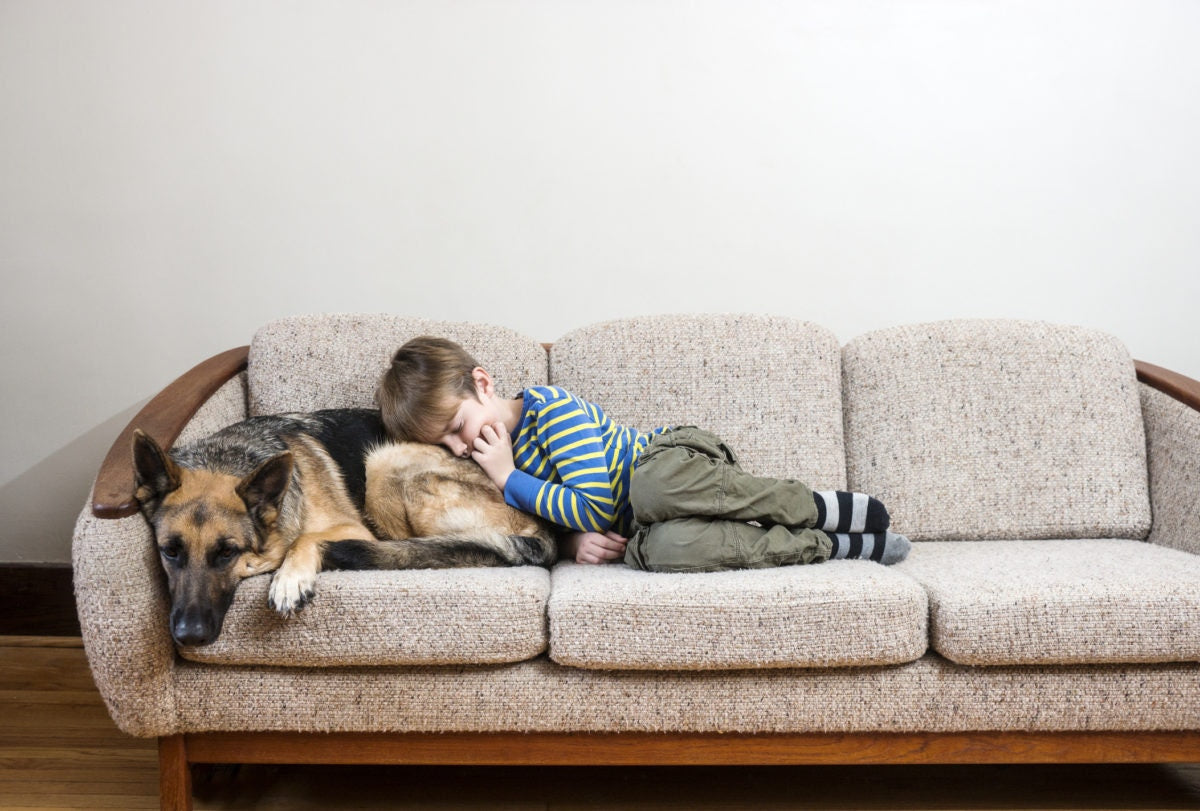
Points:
(347, 433)
(350, 556)
(533, 551)
(457, 553)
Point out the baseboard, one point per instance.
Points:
(37, 599)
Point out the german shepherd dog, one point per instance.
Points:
(300, 493)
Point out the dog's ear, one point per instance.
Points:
(153, 471)
(262, 491)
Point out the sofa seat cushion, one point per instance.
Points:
(455, 616)
(833, 614)
(1059, 602)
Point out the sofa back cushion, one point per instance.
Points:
(990, 429)
(310, 362)
(769, 386)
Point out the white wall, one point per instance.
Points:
(173, 174)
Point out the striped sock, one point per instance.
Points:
(839, 511)
(882, 547)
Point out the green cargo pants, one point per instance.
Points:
(692, 503)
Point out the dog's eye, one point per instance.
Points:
(169, 552)
(227, 554)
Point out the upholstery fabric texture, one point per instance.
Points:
(225, 407)
(930, 695)
(834, 614)
(121, 597)
(451, 616)
(1173, 446)
(978, 430)
(1059, 602)
(769, 386)
(310, 362)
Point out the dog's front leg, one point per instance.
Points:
(294, 584)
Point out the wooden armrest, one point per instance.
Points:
(162, 418)
(1182, 388)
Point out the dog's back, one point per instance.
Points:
(346, 434)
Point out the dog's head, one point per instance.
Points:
(211, 530)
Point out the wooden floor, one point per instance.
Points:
(58, 749)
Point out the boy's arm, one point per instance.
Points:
(573, 447)
(586, 505)
(581, 510)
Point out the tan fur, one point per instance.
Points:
(417, 490)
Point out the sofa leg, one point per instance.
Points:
(174, 775)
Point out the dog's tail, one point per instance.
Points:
(440, 552)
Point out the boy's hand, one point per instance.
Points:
(493, 452)
(594, 547)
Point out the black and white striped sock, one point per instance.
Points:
(839, 511)
(882, 547)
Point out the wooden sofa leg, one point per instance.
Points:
(174, 775)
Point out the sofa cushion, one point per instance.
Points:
(1172, 448)
(1059, 602)
(972, 430)
(840, 613)
(454, 616)
(769, 386)
(309, 362)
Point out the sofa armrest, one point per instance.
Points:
(120, 590)
(1171, 410)
(121, 597)
(1178, 387)
(163, 418)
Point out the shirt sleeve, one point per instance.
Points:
(581, 497)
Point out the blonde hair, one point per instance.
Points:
(421, 390)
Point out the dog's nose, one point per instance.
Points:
(191, 629)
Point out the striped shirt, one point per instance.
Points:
(573, 463)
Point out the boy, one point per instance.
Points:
(673, 499)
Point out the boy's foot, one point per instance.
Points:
(883, 547)
(839, 511)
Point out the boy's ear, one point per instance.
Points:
(483, 382)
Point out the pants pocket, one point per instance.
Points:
(689, 436)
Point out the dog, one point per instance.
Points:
(296, 494)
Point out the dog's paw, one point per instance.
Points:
(291, 591)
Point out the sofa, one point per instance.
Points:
(1049, 610)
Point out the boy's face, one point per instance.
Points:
(472, 414)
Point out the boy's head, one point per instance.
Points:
(423, 388)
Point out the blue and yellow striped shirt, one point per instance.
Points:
(573, 463)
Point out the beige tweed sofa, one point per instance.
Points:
(1049, 610)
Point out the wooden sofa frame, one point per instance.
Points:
(164, 418)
